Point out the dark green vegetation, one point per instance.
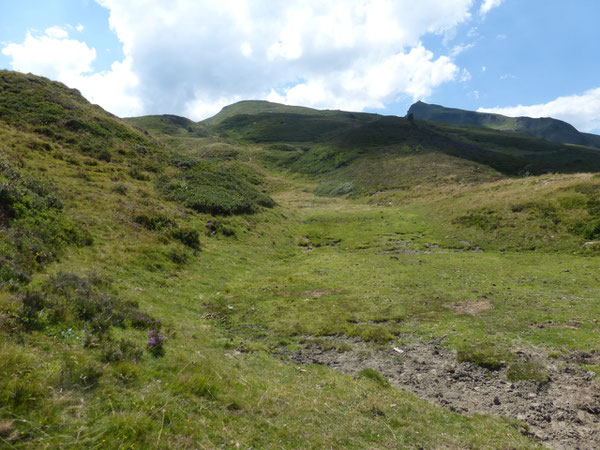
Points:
(544, 128)
(147, 297)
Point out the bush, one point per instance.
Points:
(156, 222)
(209, 188)
(70, 299)
(188, 237)
(35, 227)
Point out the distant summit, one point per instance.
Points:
(552, 130)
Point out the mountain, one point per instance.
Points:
(254, 107)
(335, 142)
(544, 128)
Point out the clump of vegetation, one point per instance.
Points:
(528, 371)
(155, 344)
(484, 355)
(187, 236)
(484, 218)
(209, 188)
(155, 222)
(36, 228)
(69, 299)
(375, 376)
(216, 226)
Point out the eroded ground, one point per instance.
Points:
(563, 413)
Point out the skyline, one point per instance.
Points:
(137, 57)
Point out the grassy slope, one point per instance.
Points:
(168, 124)
(253, 107)
(217, 384)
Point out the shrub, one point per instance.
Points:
(70, 299)
(156, 222)
(35, 227)
(188, 237)
(209, 188)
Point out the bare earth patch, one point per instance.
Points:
(472, 307)
(562, 414)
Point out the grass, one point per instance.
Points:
(235, 292)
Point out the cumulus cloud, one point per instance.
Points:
(582, 111)
(192, 57)
(197, 56)
(56, 56)
(487, 5)
(52, 54)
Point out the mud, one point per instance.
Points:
(562, 414)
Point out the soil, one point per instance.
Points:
(562, 414)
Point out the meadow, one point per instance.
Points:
(211, 290)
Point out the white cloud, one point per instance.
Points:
(57, 33)
(193, 55)
(190, 57)
(582, 111)
(55, 56)
(487, 5)
(365, 85)
(80, 28)
(458, 49)
(465, 76)
(52, 55)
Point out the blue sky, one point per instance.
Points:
(191, 57)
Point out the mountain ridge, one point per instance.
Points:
(547, 128)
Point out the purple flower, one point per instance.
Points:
(155, 342)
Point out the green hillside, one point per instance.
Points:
(168, 124)
(253, 107)
(552, 130)
(290, 279)
(364, 153)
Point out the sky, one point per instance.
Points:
(539, 58)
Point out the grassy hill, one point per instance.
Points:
(552, 130)
(365, 153)
(171, 284)
(168, 124)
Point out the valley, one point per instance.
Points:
(283, 277)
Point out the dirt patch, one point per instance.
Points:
(472, 307)
(562, 414)
(316, 294)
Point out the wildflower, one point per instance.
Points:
(155, 343)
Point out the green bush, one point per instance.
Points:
(35, 227)
(156, 222)
(188, 237)
(209, 188)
